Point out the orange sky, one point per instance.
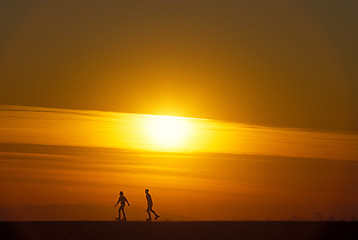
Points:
(257, 100)
(228, 171)
(281, 63)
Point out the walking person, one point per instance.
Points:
(122, 199)
(150, 206)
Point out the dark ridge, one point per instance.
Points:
(178, 230)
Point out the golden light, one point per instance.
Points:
(168, 132)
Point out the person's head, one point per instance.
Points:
(147, 190)
(121, 193)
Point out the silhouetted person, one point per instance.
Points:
(150, 206)
(123, 201)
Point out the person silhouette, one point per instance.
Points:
(123, 201)
(150, 206)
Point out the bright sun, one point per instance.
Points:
(167, 131)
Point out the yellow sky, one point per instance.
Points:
(287, 63)
(218, 170)
(145, 132)
(270, 89)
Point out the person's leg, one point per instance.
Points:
(156, 215)
(153, 212)
(119, 213)
(124, 215)
(149, 216)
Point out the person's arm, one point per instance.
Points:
(116, 203)
(127, 202)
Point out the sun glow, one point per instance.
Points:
(168, 132)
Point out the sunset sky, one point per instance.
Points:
(224, 109)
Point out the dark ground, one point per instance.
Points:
(177, 230)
